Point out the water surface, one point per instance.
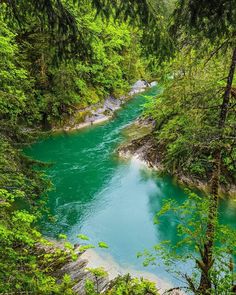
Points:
(106, 198)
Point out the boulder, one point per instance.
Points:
(138, 87)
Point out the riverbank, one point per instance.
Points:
(101, 112)
(79, 269)
(114, 269)
(141, 143)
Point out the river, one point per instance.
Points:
(107, 198)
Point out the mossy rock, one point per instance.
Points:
(136, 131)
(108, 113)
(80, 116)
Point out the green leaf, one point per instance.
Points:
(83, 237)
(103, 245)
(62, 236)
(86, 247)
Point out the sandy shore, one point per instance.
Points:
(85, 124)
(114, 269)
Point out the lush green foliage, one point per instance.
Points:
(187, 129)
(37, 86)
(122, 285)
(192, 216)
(23, 266)
(212, 19)
(40, 88)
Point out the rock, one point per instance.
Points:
(141, 143)
(136, 91)
(104, 113)
(100, 110)
(112, 104)
(152, 152)
(77, 270)
(138, 87)
(140, 84)
(145, 149)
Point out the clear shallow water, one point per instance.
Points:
(106, 198)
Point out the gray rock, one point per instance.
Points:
(96, 117)
(112, 103)
(138, 87)
(77, 270)
(140, 84)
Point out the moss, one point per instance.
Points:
(80, 116)
(136, 131)
(92, 96)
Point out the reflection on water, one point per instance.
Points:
(105, 198)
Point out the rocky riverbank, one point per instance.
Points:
(142, 144)
(114, 269)
(79, 269)
(103, 111)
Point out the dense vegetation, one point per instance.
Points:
(198, 132)
(121, 285)
(41, 85)
(44, 89)
(57, 57)
(187, 130)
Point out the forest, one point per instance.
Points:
(60, 60)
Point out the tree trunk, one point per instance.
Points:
(207, 253)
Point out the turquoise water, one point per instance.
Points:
(107, 198)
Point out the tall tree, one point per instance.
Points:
(216, 21)
(207, 252)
